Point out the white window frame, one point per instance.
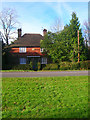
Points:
(22, 60)
(41, 49)
(44, 60)
(22, 49)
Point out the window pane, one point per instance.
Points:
(22, 60)
(22, 49)
(44, 61)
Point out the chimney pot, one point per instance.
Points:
(44, 32)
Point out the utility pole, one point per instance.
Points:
(78, 48)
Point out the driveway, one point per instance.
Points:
(44, 74)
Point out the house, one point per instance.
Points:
(27, 48)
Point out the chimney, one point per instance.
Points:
(44, 32)
(19, 33)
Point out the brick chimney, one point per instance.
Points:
(19, 33)
(44, 32)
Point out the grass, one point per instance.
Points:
(45, 97)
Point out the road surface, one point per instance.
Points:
(43, 74)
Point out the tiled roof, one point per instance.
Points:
(28, 40)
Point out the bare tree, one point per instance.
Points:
(8, 23)
(56, 26)
(86, 30)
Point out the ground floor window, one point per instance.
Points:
(44, 60)
(22, 60)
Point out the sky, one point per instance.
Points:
(33, 17)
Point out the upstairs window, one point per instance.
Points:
(41, 49)
(22, 49)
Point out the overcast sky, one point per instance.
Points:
(34, 16)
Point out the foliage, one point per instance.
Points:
(65, 65)
(31, 65)
(39, 65)
(54, 47)
(22, 67)
(45, 97)
(83, 65)
(64, 45)
(51, 67)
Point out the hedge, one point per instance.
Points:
(51, 67)
(85, 65)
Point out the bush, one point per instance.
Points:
(6, 67)
(84, 64)
(39, 66)
(47, 67)
(31, 65)
(22, 67)
(75, 66)
(43, 66)
(65, 66)
(51, 67)
(88, 64)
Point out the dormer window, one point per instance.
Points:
(22, 49)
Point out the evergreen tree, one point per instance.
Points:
(74, 26)
(54, 46)
(64, 45)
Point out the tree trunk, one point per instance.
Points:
(7, 40)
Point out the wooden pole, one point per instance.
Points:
(78, 48)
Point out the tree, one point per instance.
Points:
(54, 46)
(64, 45)
(74, 26)
(8, 22)
(86, 31)
(56, 26)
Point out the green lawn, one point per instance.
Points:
(45, 97)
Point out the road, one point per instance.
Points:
(43, 74)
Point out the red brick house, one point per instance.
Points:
(27, 48)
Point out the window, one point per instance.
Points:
(22, 60)
(41, 49)
(22, 49)
(44, 61)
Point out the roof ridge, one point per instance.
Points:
(32, 34)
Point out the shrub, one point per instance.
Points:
(39, 65)
(31, 65)
(51, 67)
(47, 67)
(43, 66)
(65, 65)
(22, 67)
(88, 64)
(75, 66)
(7, 67)
(84, 64)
